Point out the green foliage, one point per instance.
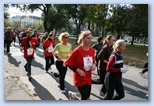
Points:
(116, 19)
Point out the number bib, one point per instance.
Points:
(50, 48)
(30, 51)
(87, 61)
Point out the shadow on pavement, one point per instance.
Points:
(97, 96)
(39, 53)
(68, 86)
(37, 64)
(12, 60)
(132, 91)
(42, 92)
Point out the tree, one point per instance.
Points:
(6, 15)
(45, 8)
(76, 12)
(138, 21)
(117, 22)
(57, 19)
(100, 16)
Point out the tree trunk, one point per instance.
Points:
(78, 32)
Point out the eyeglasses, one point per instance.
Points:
(66, 37)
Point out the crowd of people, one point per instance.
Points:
(105, 56)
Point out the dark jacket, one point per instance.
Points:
(104, 54)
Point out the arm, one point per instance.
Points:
(101, 55)
(45, 45)
(70, 62)
(110, 64)
(36, 43)
(54, 50)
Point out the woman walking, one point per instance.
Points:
(103, 57)
(114, 72)
(48, 46)
(64, 49)
(29, 43)
(82, 62)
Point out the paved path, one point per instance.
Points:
(44, 86)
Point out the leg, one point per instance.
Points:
(47, 63)
(8, 46)
(110, 85)
(62, 72)
(102, 77)
(145, 70)
(62, 78)
(119, 90)
(29, 61)
(85, 91)
(51, 61)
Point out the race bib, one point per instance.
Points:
(50, 48)
(30, 51)
(87, 63)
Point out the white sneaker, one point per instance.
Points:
(62, 91)
(71, 96)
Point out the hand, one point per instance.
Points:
(21, 49)
(123, 70)
(59, 58)
(80, 72)
(93, 67)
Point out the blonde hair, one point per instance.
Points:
(82, 35)
(118, 43)
(62, 35)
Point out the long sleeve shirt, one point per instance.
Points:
(83, 60)
(62, 50)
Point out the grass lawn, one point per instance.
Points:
(135, 55)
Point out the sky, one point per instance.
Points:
(13, 11)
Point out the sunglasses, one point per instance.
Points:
(66, 37)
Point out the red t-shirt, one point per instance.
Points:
(48, 44)
(29, 51)
(82, 59)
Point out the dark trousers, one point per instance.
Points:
(14, 39)
(144, 70)
(85, 91)
(62, 71)
(28, 64)
(97, 60)
(19, 40)
(114, 85)
(49, 61)
(8, 42)
(102, 77)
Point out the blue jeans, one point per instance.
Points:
(28, 64)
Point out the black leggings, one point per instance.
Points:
(114, 83)
(85, 91)
(49, 61)
(62, 71)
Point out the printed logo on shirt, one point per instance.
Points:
(87, 61)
